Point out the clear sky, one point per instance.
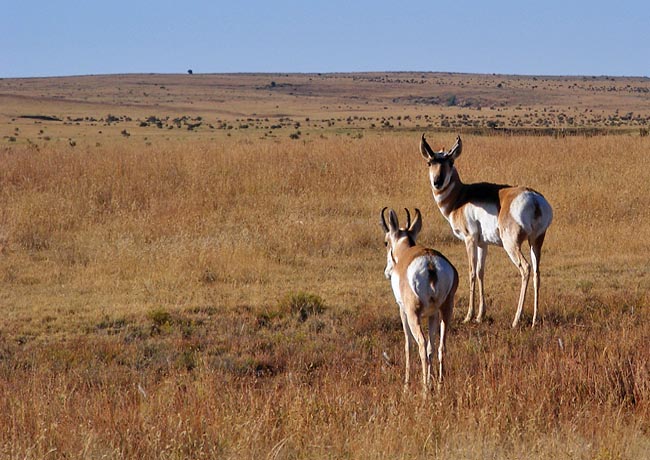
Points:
(546, 37)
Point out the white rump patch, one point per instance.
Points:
(523, 209)
(418, 278)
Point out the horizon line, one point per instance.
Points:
(439, 72)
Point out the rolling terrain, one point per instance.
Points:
(279, 105)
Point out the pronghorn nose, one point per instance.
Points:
(438, 181)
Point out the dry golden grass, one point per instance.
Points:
(225, 299)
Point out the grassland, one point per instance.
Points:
(163, 107)
(219, 293)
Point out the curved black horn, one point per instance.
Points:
(408, 218)
(382, 221)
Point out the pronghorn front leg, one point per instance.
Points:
(472, 257)
(433, 326)
(517, 257)
(415, 327)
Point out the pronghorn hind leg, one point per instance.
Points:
(407, 340)
(535, 256)
(472, 256)
(445, 322)
(480, 272)
(514, 252)
(433, 324)
(415, 327)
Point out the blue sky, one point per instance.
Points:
(551, 37)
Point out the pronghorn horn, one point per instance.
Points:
(408, 218)
(383, 220)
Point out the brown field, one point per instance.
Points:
(171, 289)
(150, 108)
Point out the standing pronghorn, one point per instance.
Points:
(424, 283)
(484, 213)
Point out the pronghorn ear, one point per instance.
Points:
(454, 152)
(425, 150)
(416, 226)
(393, 223)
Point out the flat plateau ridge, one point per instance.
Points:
(217, 103)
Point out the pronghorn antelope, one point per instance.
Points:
(484, 213)
(424, 283)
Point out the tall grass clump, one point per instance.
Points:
(302, 304)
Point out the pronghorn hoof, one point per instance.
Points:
(467, 319)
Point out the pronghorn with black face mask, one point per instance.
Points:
(424, 283)
(482, 214)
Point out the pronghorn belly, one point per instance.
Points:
(532, 212)
(482, 221)
(431, 278)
